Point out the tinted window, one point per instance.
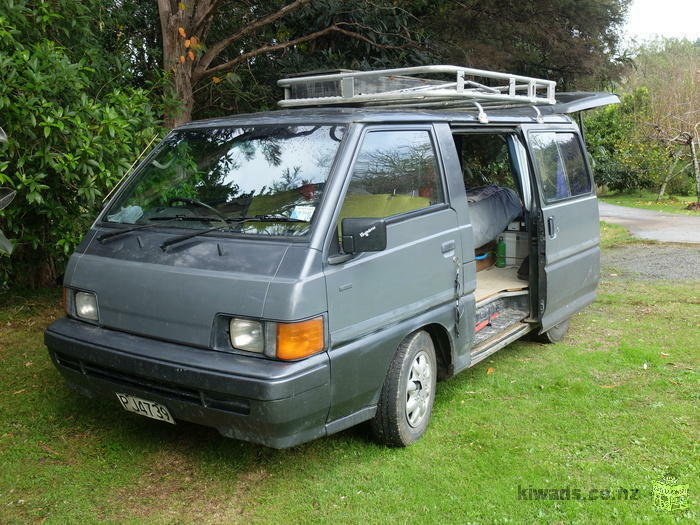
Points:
(560, 164)
(395, 172)
(570, 150)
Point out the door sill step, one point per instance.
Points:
(485, 349)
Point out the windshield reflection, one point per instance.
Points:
(261, 180)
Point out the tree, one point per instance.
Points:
(670, 69)
(650, 140)
(625, 157)
(200, 44)
(573, 43)
(224, 56)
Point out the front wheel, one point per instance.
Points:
(406, 400)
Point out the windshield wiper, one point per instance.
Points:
(265, 218)
(181, 238)
(253, 218)
(109, 235)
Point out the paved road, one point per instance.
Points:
(649, 224)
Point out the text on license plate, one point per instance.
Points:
(145, 408)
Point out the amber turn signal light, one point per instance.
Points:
(297, 340)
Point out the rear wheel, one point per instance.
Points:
(407, 397)
(554, 334)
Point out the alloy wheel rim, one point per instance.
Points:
(418, 389)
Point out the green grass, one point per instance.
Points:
(647, 200)
(614, 236)
(614, 405)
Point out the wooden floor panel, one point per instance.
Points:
(494, 280)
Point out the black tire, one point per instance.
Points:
(395, 423)
(554, 334)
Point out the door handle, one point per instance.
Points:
(553, 229)
(448, 247)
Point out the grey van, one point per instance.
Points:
(286, 275)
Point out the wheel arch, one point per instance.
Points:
(443, 349)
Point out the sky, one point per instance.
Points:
(670, 18)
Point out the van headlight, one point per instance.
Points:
(247, 335)
(86, 305)
(287, 341)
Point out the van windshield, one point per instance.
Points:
(263, 180)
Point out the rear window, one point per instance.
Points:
(560, 165)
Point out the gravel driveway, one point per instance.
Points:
(652, 261)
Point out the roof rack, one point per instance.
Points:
(401, 87)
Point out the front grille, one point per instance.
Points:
(202, 398)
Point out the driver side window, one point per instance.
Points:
(395, 172)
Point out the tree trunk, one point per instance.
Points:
(673, 172)
(182, 83)
(696, 167)
(177, 61)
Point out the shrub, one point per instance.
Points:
(65, 150)
(625, 157)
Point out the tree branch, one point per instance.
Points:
(217, 48)
(359, 36)
(202, 19)
(198, 75)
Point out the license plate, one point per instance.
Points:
(145, 408)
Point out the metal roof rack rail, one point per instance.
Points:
(402, 87)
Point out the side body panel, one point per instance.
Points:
(458, 201)
(373, 292)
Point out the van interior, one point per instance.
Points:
(498, 200)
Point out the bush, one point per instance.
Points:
(681, 185)
(626, 155)
(611, 172)
(65, 150)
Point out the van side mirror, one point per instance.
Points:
(364, 234)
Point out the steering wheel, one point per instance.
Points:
(196, 203)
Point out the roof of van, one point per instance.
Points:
(365, 115)
(552, 114)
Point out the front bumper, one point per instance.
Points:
(274, 403)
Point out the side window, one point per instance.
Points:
(395, 172)
(570, 150)
(560, 164)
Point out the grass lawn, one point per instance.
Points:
(647, 200)
(614, 236)
(614, 406)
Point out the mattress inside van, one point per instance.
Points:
(491, 209)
